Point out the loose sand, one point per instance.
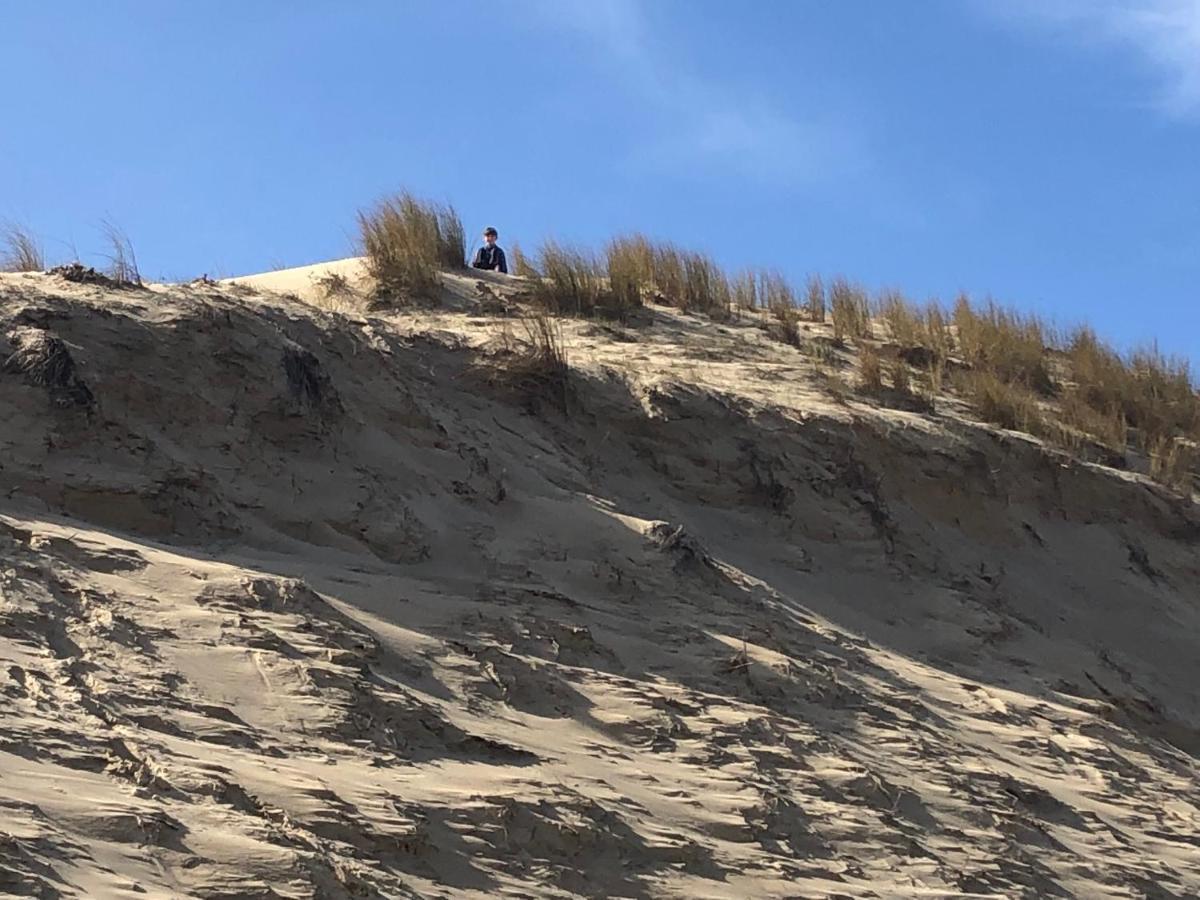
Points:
(308, 603)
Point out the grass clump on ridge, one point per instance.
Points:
(22, 251)
(763, 289)
(690, 281)
(630, 264)
(1081, 420)
(870, 371)
(1007, 344)
(407, 242)
(1175, 461)
(1152, 396)
(786, 327)
(706, 287)
(1076, 392)
(632, 269)
(902, 318)
(851, 311)
(521, 264)
(122, 261)
(1011, 406)
(814, 299)
(575, 282)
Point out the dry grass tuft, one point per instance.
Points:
(534, 365)
(122, 261)
(776, 293)
(761, 289)
(23, 251)
(786, 327)
(814, 299)
(629, 261)
(1108, 428)
(334, 284)
(705, 287)
(935, 376)
(632, 268)
(870, 371)
(744, 288)
(407, 242)
(1175, 462)
(336, 293)
(823, 353)
(521, 264)
(667, 277)
(639, 267)
(1154, 393)
(1006, 344)
(903, 319)
(1008, 405)
(1147, 397)
(935, 332)
(574, 282)
(851, 311)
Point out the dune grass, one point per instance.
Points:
(122, 261)
(1074, 391)
(574, 282)
(532, 365)
(814, 299)
(1009, 405)
(691, 281)
(22, 250)
(850, 310)
(870, 371)
(1153, 397)
(1011, 367)
(706, 287)
(903, 320)
(1108, 428)
(407, 242)
(522, 265)
(786, 327)
(630, 266)
(1010, 345)
(631, 270)
(1175, 462)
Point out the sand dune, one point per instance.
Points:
(307, 603)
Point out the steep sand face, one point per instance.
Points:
(302, 604)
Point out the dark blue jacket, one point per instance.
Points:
(490, 258)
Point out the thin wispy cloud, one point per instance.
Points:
(702, 122)
(1164, 35)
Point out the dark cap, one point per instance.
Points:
(490, 230)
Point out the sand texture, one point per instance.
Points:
(302, 602)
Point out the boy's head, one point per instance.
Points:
(489, 236)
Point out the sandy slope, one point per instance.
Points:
(299, 604)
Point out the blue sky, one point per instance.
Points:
(1045, 152)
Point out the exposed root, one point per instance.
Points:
(46, 361)
(307, 380)
(78, 273)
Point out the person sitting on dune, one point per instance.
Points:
(490, 256)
